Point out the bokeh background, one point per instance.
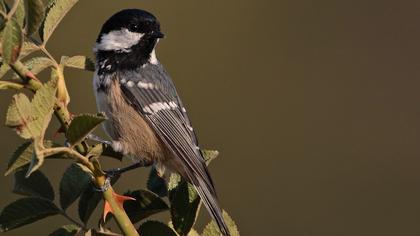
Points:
(314, 106)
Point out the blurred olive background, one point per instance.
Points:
(314, 106)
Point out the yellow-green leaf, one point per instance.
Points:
(20, 13)
(30, 119)
(19, 116)
(36, 13)
(81, 126)
(78, 62)
(55, 14)
(212, 230)
(10, 85)
(11, 42)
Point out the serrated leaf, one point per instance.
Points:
(27, 48)
(72, 185)
(155, 228)
(25, 211)
(213, 230)
(30, 119)
(184, 206)
(157, 184)
(57, 10)
(37, 185)
(38, 64)
(78, 62)
(66, 230)
(146, 204)
(36, 13)
(81, 126)
(11, 42)
(10, 85)
(19, 116)
(23, 156)
(89, 200)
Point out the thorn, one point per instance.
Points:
(120, 199)
(30, 75)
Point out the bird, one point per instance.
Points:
(146, 118)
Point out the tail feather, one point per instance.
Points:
(209, 198)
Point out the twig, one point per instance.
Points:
(13, 9)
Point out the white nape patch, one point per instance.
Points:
(153, 59)
(145, 85)
(130, 84)
(115, 40)
(158, 106)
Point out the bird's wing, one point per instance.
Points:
(151, 92)
(154, 96)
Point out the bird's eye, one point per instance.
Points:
(133, 27)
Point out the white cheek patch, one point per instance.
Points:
(118, 40)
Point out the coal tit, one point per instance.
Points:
(146, 118)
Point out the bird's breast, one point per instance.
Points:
(127, 126)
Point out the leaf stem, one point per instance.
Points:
(13, 9)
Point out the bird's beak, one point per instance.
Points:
(157, 34)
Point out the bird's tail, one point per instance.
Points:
(209, 198)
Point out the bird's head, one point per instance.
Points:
(131, 33)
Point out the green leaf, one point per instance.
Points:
(213, 230)
(89, 200)
(157, 184)
(38, 64)
(72, 185)
(209, 155)
(4, 68)
(57, 10)
(78, 62)
(30, 119)
(23, 156)
(184, 206)
(66, 230)
(36, 13)
(19, 116)
(81, 126)
(37, 185)
(146, 204)
(11, 42)
(27, 48)
(20, 14)
(155, 228)
(25, 211)
(10, 85)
